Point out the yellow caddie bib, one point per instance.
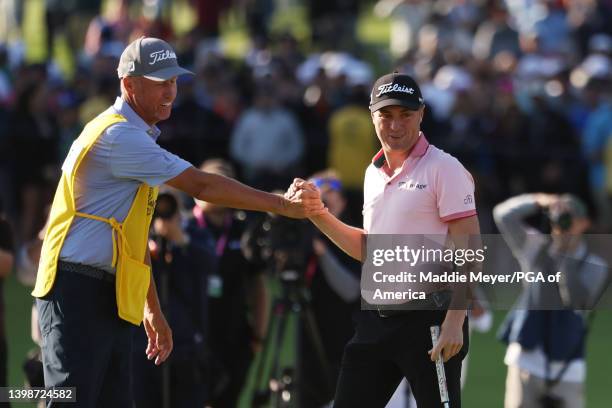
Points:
(129, 237)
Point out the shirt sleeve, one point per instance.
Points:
(135, 155)
(454, 191)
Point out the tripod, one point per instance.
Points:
(291, 316)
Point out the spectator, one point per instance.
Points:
(495, 34)
(596, 137)
(33, 141)
(408, 16)
(351, 135)
(333, 23)
(104, 92)
(267, 142)
(209, 14)
(546, 330)
(70, 18)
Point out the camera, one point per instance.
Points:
(167, 206)
(562, 219)
(282, 244)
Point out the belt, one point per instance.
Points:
(86, 270)
(433, 301)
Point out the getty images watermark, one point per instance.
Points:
(413, 271)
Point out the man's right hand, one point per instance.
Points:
(302, 200)
(159, 334)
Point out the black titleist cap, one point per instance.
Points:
(395, 89)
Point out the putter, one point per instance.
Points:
(435, 332)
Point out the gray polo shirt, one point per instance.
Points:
(122, 158)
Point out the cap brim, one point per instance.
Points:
(167, 73)
(412, 105)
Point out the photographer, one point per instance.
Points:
(180, 269)
(546, 348)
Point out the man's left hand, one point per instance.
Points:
(160, 336)
(450, 340)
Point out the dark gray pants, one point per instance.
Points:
(84, 343)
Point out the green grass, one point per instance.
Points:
(17, 306)
(486, 371)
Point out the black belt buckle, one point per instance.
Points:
(439, 299)
(386, 313)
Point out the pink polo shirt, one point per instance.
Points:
(431, 189)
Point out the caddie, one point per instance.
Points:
(94, 280)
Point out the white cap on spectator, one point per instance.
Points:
(453, 78)
(335, 64)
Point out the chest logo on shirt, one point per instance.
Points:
(411, 185)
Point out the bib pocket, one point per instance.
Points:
(132, 284)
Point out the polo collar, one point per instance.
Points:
(418, 150)
(124, 109)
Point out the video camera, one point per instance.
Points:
(282, 244)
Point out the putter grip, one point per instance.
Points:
(435, 332)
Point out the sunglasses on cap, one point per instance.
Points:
(332, 183)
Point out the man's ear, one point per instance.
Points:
(129, 83)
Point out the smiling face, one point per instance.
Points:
(151, 100)
(397, 128)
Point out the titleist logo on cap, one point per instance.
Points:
(161, 56)
(391, 87)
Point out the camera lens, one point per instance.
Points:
(562, 220)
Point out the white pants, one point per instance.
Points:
(523, 390)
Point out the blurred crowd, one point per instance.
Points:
(518, 90)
